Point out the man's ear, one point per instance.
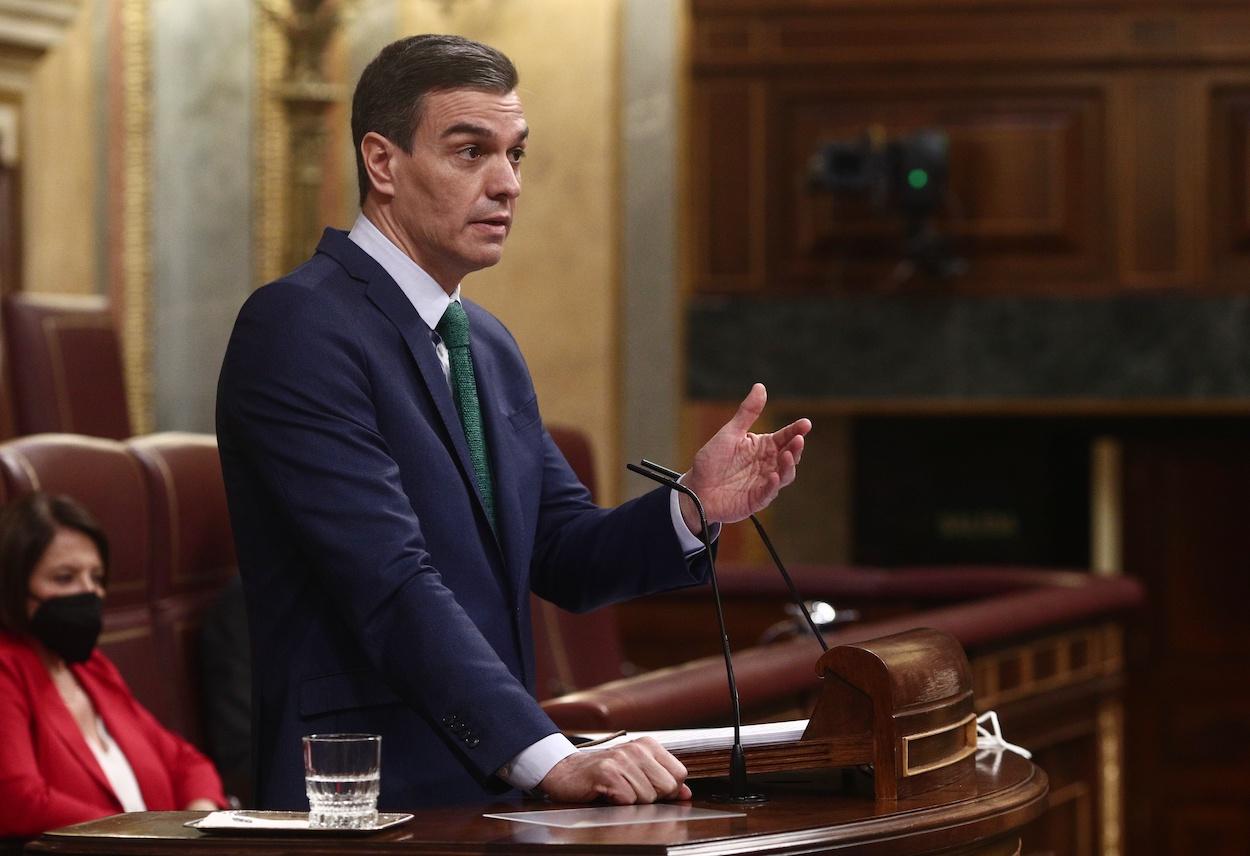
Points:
(379, 156)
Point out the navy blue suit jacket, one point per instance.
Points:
(379, 597)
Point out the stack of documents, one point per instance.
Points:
(699, 739)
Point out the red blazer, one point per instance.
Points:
(48, 774)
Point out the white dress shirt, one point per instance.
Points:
(531, 766)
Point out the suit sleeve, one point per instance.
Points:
(295, 398)
(29, 805)
(586, 557)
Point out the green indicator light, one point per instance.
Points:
(918, 178)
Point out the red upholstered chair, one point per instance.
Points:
(8, 428)
(192, 557)
(574, 651)
(103, 476)
(65, 365)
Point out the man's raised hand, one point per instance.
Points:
(738, 473)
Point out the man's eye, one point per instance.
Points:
(470, 153)
(516, 155)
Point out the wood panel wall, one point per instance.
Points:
(1095, 147)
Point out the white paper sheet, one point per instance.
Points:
(693, 739)
(614, 815)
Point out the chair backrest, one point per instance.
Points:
(192, 545)
(192, 559)
(65, 365)
(574, 651)
(103, 476)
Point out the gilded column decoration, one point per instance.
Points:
(269, 188)
(135, 286)
(1110, 759)
(294, 97)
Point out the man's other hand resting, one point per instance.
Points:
(641, 771)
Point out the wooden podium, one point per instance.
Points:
(902, 704)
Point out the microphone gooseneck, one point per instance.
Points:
(772, 552)
(738, 792)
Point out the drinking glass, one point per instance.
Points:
(342, 775)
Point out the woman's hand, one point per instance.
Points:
(201, 804)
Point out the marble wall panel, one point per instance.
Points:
(201, 198)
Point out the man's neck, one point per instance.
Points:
(380, 217)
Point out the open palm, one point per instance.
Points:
(738, 473)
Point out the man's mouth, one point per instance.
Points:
(502, 221)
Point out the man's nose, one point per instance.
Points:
(504, 183)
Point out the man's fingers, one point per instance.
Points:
(797, 428)
(796, 448)
(675, 768)
(750, 409)
(665, 774)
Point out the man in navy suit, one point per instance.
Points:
(394, 494)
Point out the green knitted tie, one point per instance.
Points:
(454, 328)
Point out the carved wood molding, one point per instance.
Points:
(28, 28)
(34, 25)
(837, 33)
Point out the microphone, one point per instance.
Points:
(768, 544)
(738, 792)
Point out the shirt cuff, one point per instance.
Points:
(690, 542)
(532, 764)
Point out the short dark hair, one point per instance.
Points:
(392, 87)
(27, 527)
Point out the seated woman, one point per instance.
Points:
(76, 743)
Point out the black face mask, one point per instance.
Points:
(69, 625)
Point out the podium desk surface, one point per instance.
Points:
(805, 814)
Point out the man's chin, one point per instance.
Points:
(488, 256)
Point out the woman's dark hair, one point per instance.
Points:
(27, 527)
(391, 88)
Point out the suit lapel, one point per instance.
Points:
(388, 297)
(62, 723)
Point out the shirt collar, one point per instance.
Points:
(425, 295)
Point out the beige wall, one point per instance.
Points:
(59, 167)
(557, 288)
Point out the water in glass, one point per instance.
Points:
(342, 778)
(343, 802)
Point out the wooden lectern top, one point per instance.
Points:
(804, 815)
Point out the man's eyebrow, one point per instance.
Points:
(472, 130)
